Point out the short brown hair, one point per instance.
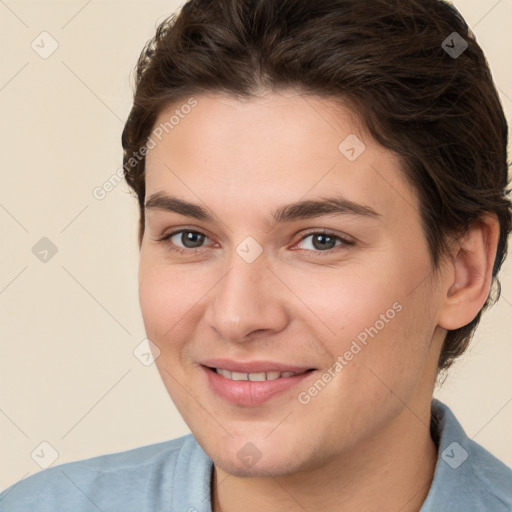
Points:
(439, 112)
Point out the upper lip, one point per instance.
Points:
(252, 366)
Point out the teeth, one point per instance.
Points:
(255, 377)
(224, 373)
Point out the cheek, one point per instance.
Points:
(345, 302)
(379, 314)
(167, 299)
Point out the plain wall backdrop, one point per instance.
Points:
(69, 313)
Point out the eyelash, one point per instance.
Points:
(186, 251)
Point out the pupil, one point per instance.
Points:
(192, 239)
(323, 241)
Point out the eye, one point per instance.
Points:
(185, 240)
(322, 241)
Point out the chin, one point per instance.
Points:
(256, 456)
(274, 467)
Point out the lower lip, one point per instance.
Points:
(250, 393)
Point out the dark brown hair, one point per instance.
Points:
(439, 112)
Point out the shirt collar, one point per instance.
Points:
(467, 476)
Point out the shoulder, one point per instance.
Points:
(116, 481)
(467, 476)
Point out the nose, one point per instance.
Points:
(248, 303)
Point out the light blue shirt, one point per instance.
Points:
(175, 476)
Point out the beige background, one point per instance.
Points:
(68, 327)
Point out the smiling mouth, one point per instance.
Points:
(255, 387)
(258, 376)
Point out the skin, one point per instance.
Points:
(363, 442)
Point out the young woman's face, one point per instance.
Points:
(281, 238)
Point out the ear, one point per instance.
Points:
(469, 273)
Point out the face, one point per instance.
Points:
(280, 252)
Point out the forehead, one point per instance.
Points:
(271, 149)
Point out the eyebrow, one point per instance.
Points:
(306, 209)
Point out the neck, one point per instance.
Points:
(391, 471)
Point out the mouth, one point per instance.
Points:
(255, 386)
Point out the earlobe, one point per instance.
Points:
(468, 282)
